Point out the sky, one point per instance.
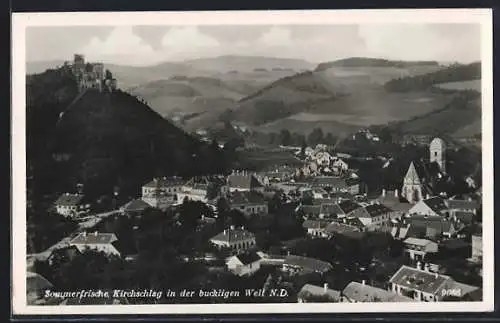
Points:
(148, 45)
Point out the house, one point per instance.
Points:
(340, 209)
(71, 205)
(310, 211)
(417, 248)
(477, 247)
(203, 189)
(373, 214)
(470, 206)
(393, 201)
(432, 206)
(356, 292)
(319, 193)
(310, 293)
(244, 181)
(161, 192)
(135, 207)
(426, 286)
(248, 202)
(342, 228)
(236, 239)
(340, 166)
(400, 231)
(244, 264)
(36, 285)
(323, 158)
(337, 184)
(297, 264)
(315, 228)
(431, 226)
(100, 242)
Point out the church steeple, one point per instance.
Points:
(437, 151)
(412, 176)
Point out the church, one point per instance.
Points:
(422, 175)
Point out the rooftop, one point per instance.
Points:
(136, 205)
(313, 290)
(165, 182)
(370, 211)
(243, 181)
(233, 235)
(308, 264)
(366, 293)
(314, 224)
(246, 197)
(420, 280)
(248, 257)
(462, 204)
(436, 204)
(418, 241)
(68, 199)
(94, 238)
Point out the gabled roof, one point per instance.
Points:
(420, 280)
(347, 206)
(311, 209)
(164, 182)
(332, 181)
(308, 264)
(314, 224)
(366, 293)
(243, 181)
(330, 208)
(93, 238)
(370, 211)
(418, 242)
(337, 227)
(465, 217)
(462, 204)
(435, 222)
(136, 205)
(233, 235)
(313, 290)
(68, 199)
(436, 204)
(248, 257)
(246, 197)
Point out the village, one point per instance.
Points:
(315, 230)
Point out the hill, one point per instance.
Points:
(372, 62)
(228, 63)
(338, 98)
(453, 73)
(103, 140)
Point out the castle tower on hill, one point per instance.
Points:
(92, 75)
(437, 150)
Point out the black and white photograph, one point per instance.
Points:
(260, 161)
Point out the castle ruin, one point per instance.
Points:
(92, 75)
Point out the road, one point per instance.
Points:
(92, 221)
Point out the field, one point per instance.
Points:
(464, 85)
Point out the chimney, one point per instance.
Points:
(363, 282)
(427, 196)
(419, 265)
(84, 233)
(383, 192)
(225, 231)
(396, 193)
(426, 267)
(325, 288)
(232, 227)
(95, 233)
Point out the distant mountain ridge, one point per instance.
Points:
(373, 62)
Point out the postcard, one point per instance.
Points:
(252, 162)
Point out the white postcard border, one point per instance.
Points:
(22, 20)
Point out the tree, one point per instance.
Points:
(108, 74)
(285, 138)
(315, 137)
(329, 139)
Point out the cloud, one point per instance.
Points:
(276, 36)
(186, 39)
(121, 42)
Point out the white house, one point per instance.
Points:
(431, 206)
(356, 292)
(161, 192)
(372, 214)
(236, 239)
(244, 264)
(71, 205)
(248, 202)
(100, 242)
(417, 248)
(424, 285)
(315, 228)
(308, 293)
